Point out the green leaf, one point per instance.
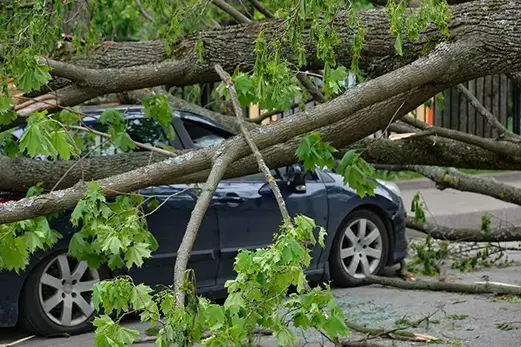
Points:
(32, 241)
(285, 337)
(124, 141)
(111, 116)
(244, 88)
(36, 139)
(136, 254)
(115, 262)
(321, 236)
(355, 171)
(113, 244)
(77, 245)
(32, 78)
(312, 152)
(60, 141)
(5, 103)
(335, 325)
(157, 107)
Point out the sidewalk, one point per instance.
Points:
(461, 209)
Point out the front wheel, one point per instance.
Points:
(361, 246)
(57, 296)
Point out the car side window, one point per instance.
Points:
(202, 137)
(142, 130)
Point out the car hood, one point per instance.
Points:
(380, 189)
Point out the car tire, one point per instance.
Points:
(351, 253)
(56, 297)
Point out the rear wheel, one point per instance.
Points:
(57, 296)
(361, 246)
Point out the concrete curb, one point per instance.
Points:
(425, 183)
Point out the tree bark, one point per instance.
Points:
(503, 234)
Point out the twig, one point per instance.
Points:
(144, 12)
(478, 288)
(204, 335)
(24, 339)
(238, 16)
(138, 144)
(262, 165)
(393, 334)
(492, 120)
(261, 9)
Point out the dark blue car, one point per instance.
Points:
(52, 295)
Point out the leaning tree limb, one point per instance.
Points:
(439, 232)
(477, 288)
(251, 144)
(223, 157)
(492, 120)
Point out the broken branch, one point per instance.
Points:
(477, 288)
(502, 234)
(489, 117)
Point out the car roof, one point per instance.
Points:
(136, 111)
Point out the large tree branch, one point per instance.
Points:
(452, 178)
(432, 151)
(492, 120)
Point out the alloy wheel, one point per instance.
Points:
(361, 248)
(65, 289)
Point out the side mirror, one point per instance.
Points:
(296, 178)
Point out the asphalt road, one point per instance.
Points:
(461, 319)
(468, 319)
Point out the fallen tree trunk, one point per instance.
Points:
(477, 288)
(503, 234)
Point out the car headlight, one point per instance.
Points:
(393, 187)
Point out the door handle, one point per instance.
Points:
(232, 198)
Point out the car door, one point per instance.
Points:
(167, 220)
(249, 215)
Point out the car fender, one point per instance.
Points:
(342, 201)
